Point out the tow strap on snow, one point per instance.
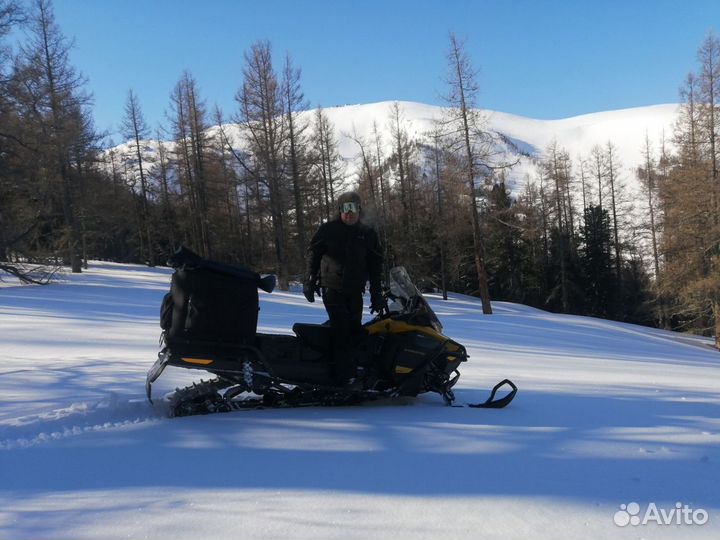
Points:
(493, 403)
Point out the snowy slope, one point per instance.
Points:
(608, 414)
(626, 128)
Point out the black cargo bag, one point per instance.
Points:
(211, 301)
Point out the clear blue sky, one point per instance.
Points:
(542, 59)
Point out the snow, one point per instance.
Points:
(607, 414)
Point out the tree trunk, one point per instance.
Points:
(478, 249)
(145, 210)
(462, 82)
(716, 316)
(297, 189)
(611, 177)
(560, 208)
(440, 228)
(480, 259)
(74, 243)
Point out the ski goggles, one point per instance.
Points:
(349, 207)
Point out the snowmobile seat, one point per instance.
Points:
(314, 336)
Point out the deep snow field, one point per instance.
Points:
(614, 426)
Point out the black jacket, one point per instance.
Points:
(345, 257)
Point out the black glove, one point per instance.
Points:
(377, 302)
(310, 287)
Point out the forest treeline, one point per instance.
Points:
(251, 187)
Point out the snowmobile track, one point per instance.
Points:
(205, 397)
(76, 419)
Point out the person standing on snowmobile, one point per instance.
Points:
(343, 255)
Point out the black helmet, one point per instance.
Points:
(349, 197)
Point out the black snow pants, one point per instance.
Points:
(345, 312)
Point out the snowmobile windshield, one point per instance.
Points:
(411, 299)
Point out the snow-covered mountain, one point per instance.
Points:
(626, 129)
(610, 419)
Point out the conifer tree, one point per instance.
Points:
(55, 107)
(326, 170)
(463, 89)
(261, 113)
(504, 246)
(295, 103)
(556, 171)
(597, 261)
(189, 124)
(691, 236)
(136, 131)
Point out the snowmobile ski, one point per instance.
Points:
(499, 403)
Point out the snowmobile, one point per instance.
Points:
(209, 322)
